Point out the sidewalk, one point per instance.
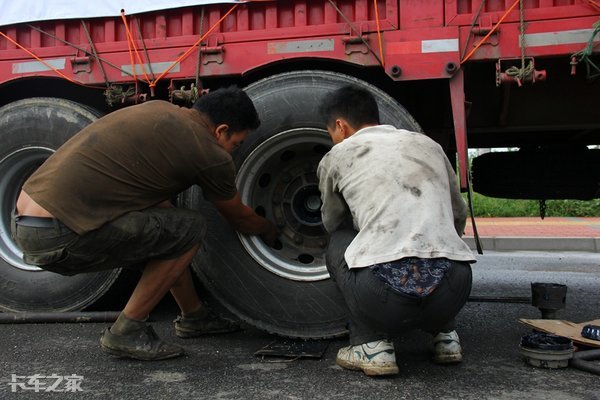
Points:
(549, 234)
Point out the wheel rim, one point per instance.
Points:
(14, 169)
(278, 179)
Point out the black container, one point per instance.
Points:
(591, 332)
(549, 298)
(545, 350)
(546, 341)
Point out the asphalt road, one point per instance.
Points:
(224, 367)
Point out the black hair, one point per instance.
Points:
(356, 105)
(230, 106)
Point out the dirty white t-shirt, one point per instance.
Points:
(402, 193)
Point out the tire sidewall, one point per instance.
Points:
(292, 100)
(279, 305)
(39, 126)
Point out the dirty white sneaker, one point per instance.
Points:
(373, 358)
(447, 348)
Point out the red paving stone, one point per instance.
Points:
(535, 227)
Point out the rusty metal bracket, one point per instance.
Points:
(81, 64)
(486, 24)
(511, 70)
(182, 95)
(213, 51)
(117, 94)
(355, 44)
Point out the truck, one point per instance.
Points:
(468, 73)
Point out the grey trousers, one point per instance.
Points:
(377, 311)
(129, 241)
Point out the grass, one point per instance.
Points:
(492, 207)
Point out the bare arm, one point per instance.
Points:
(334, 210)
(245, 220)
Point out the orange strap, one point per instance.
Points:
(131, 44)
(46, 63)
(379, 34)
(594, 4)
(132, 49)
(490, 32)
(189, 51)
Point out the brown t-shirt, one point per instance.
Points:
(130, 160)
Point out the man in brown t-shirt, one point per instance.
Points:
(102, 201)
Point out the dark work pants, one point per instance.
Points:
(377, 311)
(129, 241)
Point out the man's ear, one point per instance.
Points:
(221, 131)
(345, 128)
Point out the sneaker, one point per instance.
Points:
(373, 358)
(186, 327)
(142, 344)
(447, 348)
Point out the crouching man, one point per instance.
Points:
(102, 201)
(404, 265)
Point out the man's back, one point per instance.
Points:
(401, 192)
(130, 160)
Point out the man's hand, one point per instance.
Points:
(245, 220)
(271, 236)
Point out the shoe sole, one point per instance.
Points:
(126, 354)
(448, 358)
(369, 370)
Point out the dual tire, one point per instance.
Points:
(285, 290)
(30, 131)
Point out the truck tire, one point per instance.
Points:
(286, 291)
(30, 131)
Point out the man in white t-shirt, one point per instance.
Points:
(403, 266)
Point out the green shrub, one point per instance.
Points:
(493, 207)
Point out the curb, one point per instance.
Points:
(517, 243)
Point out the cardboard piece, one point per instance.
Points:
(563, 328)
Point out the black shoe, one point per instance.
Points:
(142, 344)
(186, 327)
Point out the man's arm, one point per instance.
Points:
(334, 209)
(245, 220)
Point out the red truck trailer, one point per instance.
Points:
(468, 73)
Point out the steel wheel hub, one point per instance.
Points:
(278, 179)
